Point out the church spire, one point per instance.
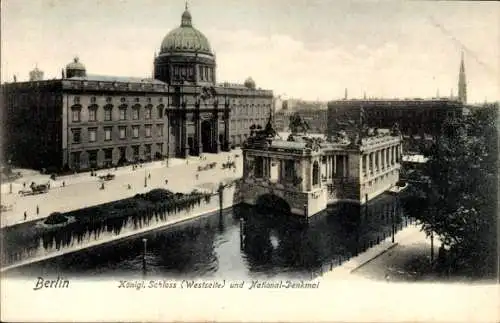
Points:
(462, 83)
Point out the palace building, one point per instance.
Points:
(301, 175)
(84, 121)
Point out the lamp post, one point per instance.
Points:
(144, 250)
(392, 223)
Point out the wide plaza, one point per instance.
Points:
(82, 190)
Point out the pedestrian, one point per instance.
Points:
(149, 175)
(24, 185)
(129, 187)
(64, 183)
(102, 185)
(25, 215)
(166, 182)
(37, 210)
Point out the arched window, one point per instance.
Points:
(108, 112)
(147, 112)
(135, 112)
(93, 112)
(76, 113)
(315, 173)
(159, 110)
(123, 112)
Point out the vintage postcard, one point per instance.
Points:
(260, 161)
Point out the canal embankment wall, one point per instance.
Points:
(16, 256)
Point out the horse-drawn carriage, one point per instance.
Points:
(207, 166)
(36, 189)
(229, 164)
(107, 177)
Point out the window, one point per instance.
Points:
(107, 133)
(315, 173)
(123, 132)
(160, 111)
(108, 113)
(123, 113)
(76, 114)
(75, 159)
(135, 113)
(159, 149)
(92, 158)
(92, 134)
(147, 130)
(259, 167)
(135, 151)
(147, 152)
(147, 113)
(159, 130)
(108, 154)
(135, 131)
(77, 135)
(289, 169)
(93, 113)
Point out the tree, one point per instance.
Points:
(458, 201)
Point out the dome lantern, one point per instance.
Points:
(75, 68)
(249, 83)
(186, 18)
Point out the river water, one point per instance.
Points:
(240, 243)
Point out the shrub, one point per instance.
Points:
(56, 218)
(157, 195)
(124, 204)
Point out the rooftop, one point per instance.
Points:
(109, 78)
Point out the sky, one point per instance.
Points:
(307, 49)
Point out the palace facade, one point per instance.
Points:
(84, 121)
(302, 175)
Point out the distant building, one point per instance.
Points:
(313, 112)
(36, 75)
(85, 121)
(417, 118)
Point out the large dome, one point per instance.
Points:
(185, 38)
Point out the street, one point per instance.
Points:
(82, 190)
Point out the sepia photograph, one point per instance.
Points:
(260, 161)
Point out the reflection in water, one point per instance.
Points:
(240, 243)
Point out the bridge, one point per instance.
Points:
(302, 175)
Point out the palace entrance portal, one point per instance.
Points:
(206, 136)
